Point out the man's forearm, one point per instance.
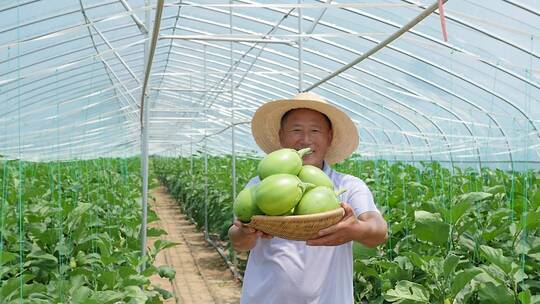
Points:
(371, 232)
(240, 241)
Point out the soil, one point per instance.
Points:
(201, 274)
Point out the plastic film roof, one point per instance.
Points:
(72, 73)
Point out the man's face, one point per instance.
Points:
(305, 128)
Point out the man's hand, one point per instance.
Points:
(369, 229)
(245, 238)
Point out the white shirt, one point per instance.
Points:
(281, 271)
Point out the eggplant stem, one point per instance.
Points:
(304, 151)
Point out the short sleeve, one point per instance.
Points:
(252, 182)
(358, 195)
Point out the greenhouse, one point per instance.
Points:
(131, 128)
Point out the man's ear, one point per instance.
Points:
(330, 137)
(281, 135)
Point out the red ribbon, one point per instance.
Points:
(443, 21)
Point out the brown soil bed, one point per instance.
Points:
(201, 274)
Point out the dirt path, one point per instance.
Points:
(201, 275)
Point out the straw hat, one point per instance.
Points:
(266, 121)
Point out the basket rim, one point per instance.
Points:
(290, 218)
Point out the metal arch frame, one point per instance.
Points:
(337, 45)
(7, 8)
(170, 45)
(48, 71)
(73, 69)
(451, 112)
(434, 65)
(207, 21)
(384, 116)
(284, 83)
(94, 119)
(71, 52)
(149, 50)
(331, 26)
(108, 68)
(248, 97)
(82, 91)
(441, 133)
(126, 127)
(94, 147)
(224, 127)
(478, 29)
(419, 130)
(69, 70)
(92, 23)
(523, 7)
(58, 32)
(121, 27)
(139, 23)
(408, 89)
(53, 16)
(498, 125)
(438, 42)
(66, 143)
(68, 101)
(274, 63)
(226, 75)
(111, 48)
(99, 136)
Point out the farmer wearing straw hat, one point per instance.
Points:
(320, 270)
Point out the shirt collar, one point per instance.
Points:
(326, 168)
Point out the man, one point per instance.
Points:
(320, 270)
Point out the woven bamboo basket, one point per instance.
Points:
(296, 227)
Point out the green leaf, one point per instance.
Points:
(490, 293)
(533, 220)
(416, 260)
(461, 279)
(135, 294)
(406, 290)
(519, 275)
(75, 216)
(109, 278)
(430, 227)
(7, 257)
(361, 252)
(450, 264)
(42, 256)
(496, 257)
(11, 285)
(457, 211)
(164, 293)
(136, 279)
(166, 272)
(496, 189)
(474, 197)
(107, 297)
(81, 295)
(163, 244)
(525, 297)
(155, 232)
